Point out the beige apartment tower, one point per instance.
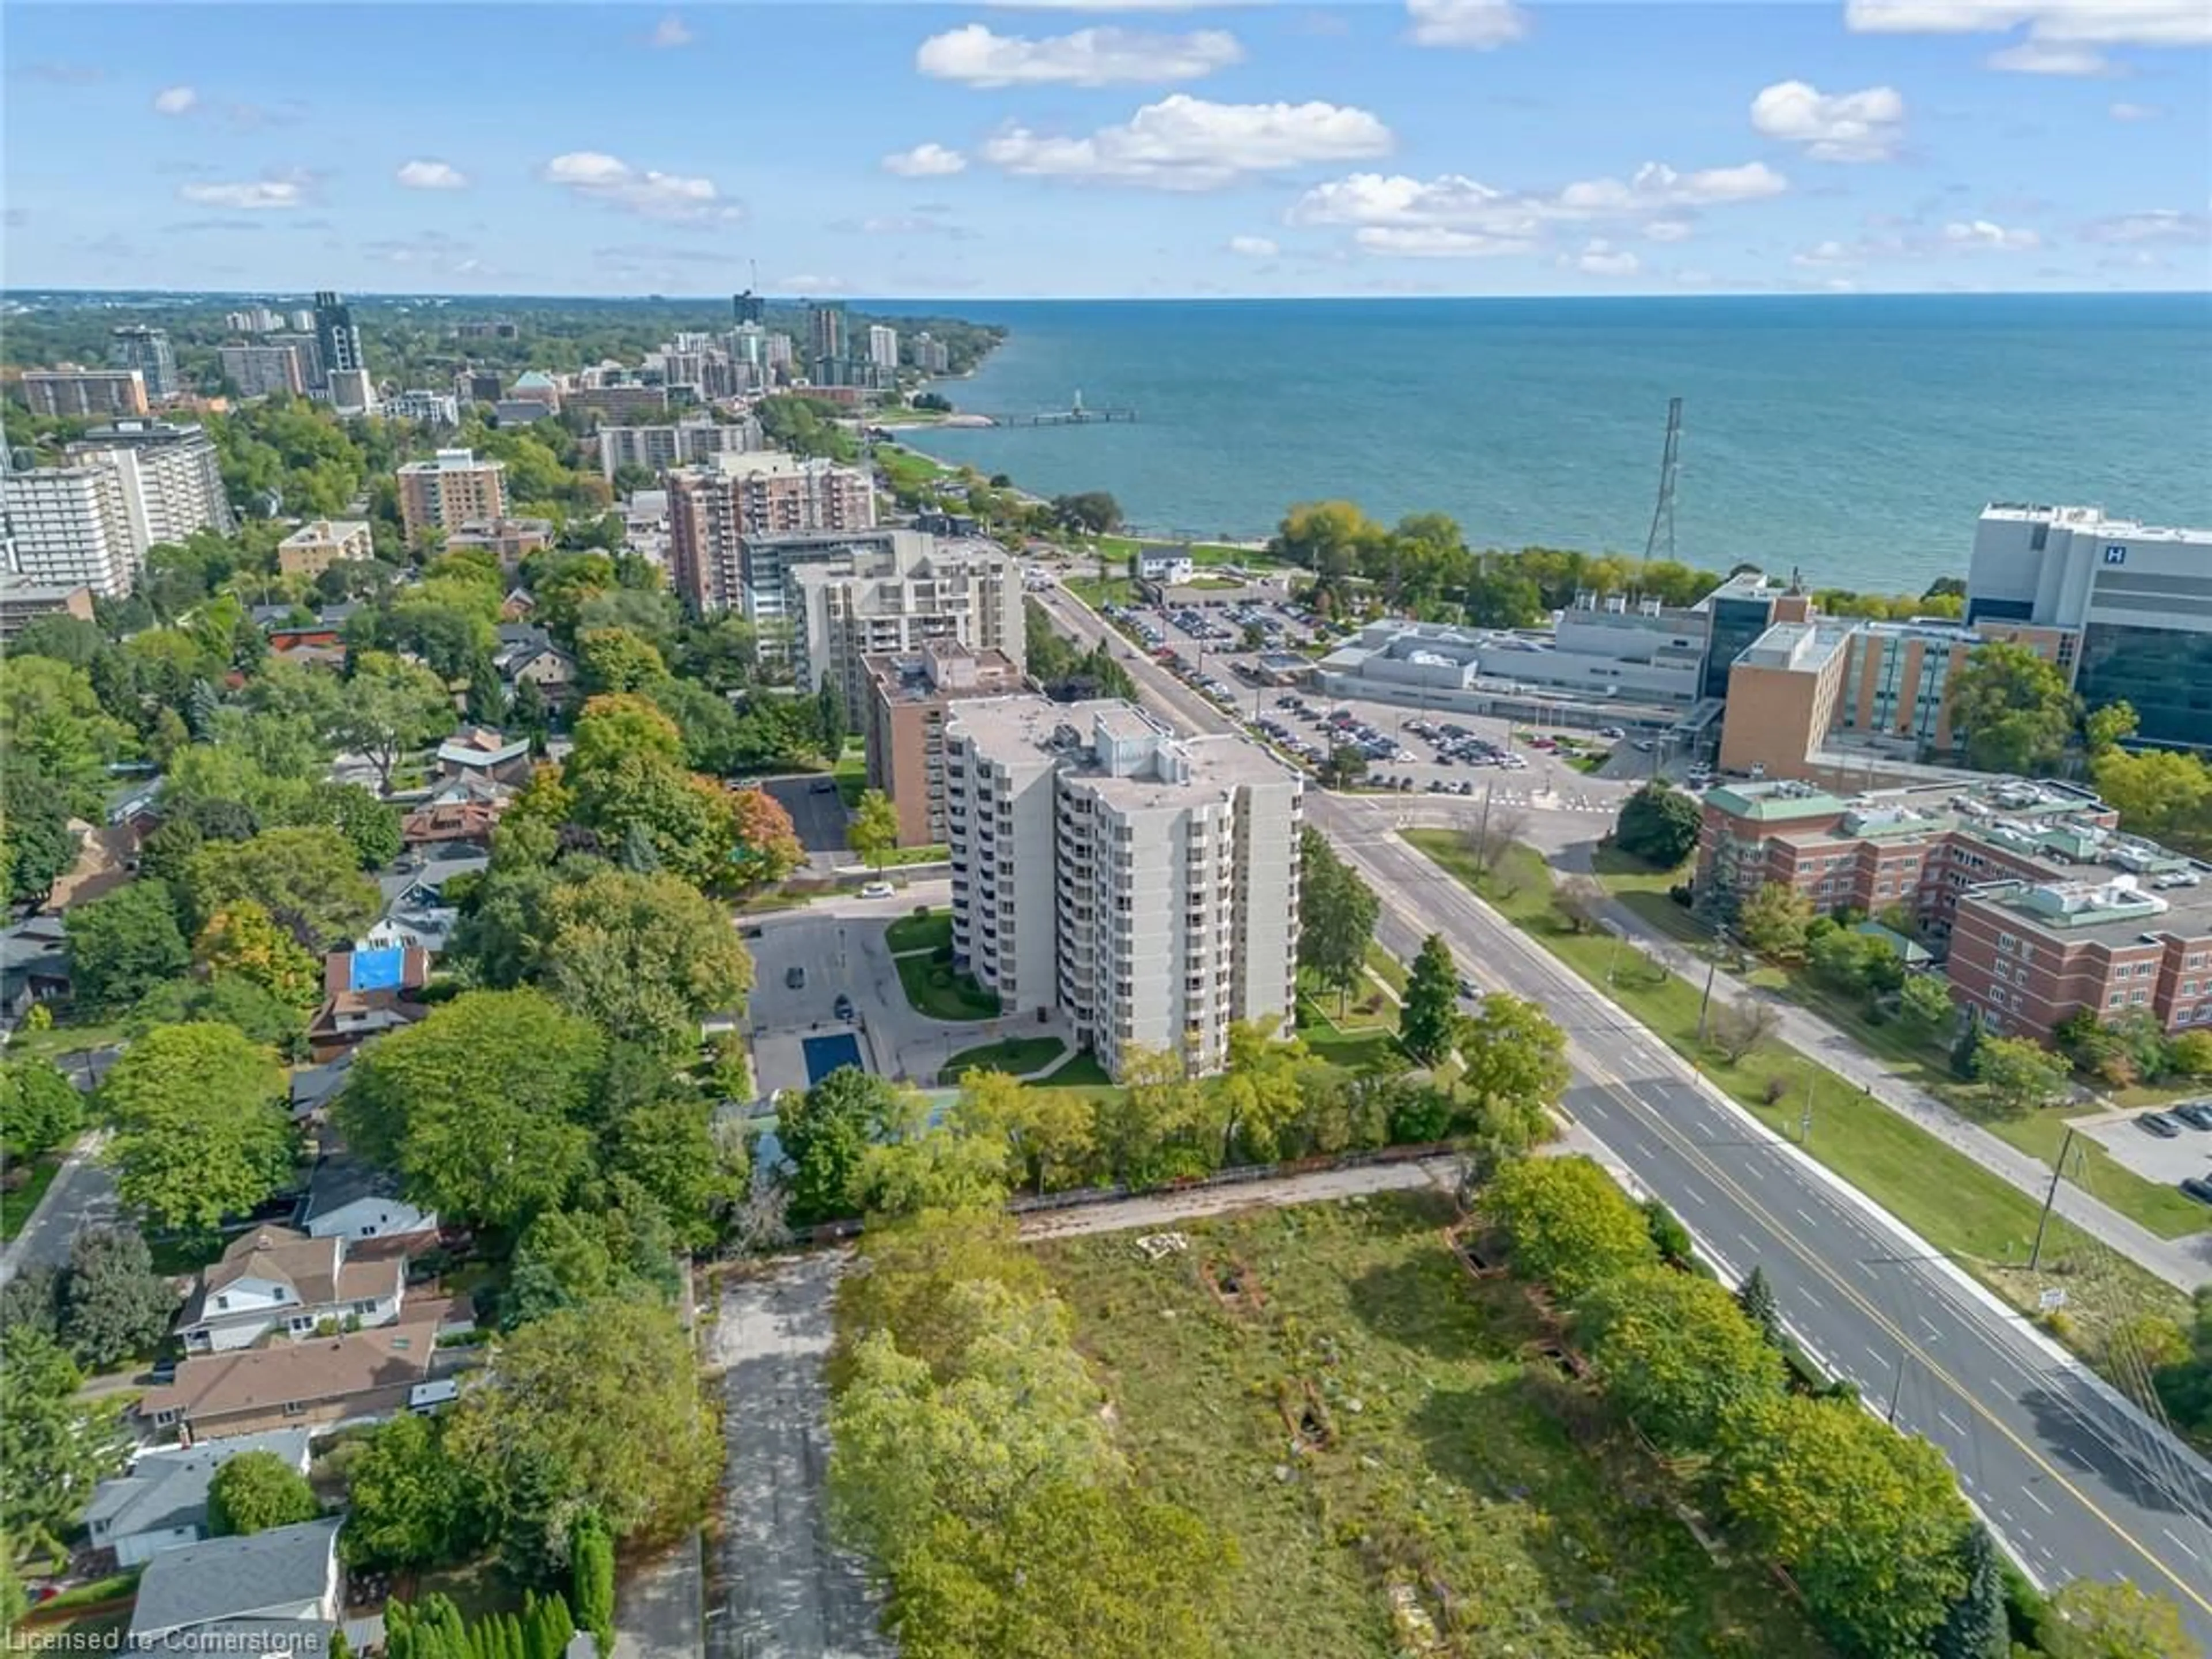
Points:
(455, 488)
(1143, 884)
(910, 693)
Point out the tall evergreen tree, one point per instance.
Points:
(1756, 1297)
(1426, 1025)
(1975, 1627)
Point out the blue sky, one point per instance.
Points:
(1055, 149)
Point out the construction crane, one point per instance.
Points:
(1660, 544)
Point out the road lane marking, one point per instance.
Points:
(1655, 1122)
(2030, 1493)
(2185, 1548)
(1956, 1426)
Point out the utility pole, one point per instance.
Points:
(1705, 1002)
(1896, 1388)
(2051, 1197)
(1805, 1118)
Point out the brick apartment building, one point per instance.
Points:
(909, 695)
(2040, 905)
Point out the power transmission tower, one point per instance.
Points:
(1660, 544)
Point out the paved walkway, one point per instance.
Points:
(2185, 1263)
(1165, 1209)
(82, 1194)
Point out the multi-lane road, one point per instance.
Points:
(2073, 1479)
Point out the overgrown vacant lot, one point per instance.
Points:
(1452, 1461)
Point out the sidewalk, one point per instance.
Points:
(2185, 1263)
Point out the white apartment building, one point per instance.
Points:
(1144, 884)
(431, 408)
(882, 346)
(263, 371)
(657, 448)
(70, 526)
(171, 479)
(894, 592)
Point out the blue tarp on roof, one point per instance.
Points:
(379, 970)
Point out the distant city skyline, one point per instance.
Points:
(1057, 149)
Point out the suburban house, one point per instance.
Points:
(163, 1503)
(366, 993)
(351, 1199)
(33, 967)
(481, 753)
(274, 1280)
(363, 1377)
(465, 820)
(541, 664)
(1173, 569)
(314, 1087)
(278, 1592)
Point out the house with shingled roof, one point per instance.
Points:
(274, 1280)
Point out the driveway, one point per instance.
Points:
(789, 1593)
(2189, 1153)
(841, 947)
(83, 1196)
(817, 813)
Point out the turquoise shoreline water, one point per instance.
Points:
(1853, 437)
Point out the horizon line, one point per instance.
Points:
(14, 294)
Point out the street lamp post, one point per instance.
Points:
(1713, 969)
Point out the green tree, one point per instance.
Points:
(1966, 1051)
(1867, 1521)
(2020, 1076)
(873, 832)
(2091, 1619)
(1091, 512)
(1515, 1055)
(2103, 728)
(645, 955)
(1658, 824)
(1975, 1627)
(591, 1578)
(1755, 1296)
(39, 1108)
(2010, 710)
(113, 1306)
(826, 1132)
(1337, 913)
(2163, 793)
(392, 708)
(1677, 1353)
(618, 659)
(913, 1166)
(1432, 998)
(123, 944)
(245, 1006)
(830, 719)
(256, 1491)
(408, 1505)
(1924, 1005)
(309, 880)
(596, 1407)
(54, 1447)
(1046, 1132)
(37, 846)
(1773, 920)
(243, 941)
(668, 1147)
(51, 717)
(483, 1108)
(1568, 1225)
(200, 1134)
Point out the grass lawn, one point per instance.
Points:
(1361, 1042)
(1017, 1056)
(851, 773)
(925, 930)
(15, 1206)
(1943, 1195)
(900, 857)
(1459, 1476)
(1082, 1070)
(1392, 970)
(933, 989)
(1116, 590)
(66, 1038)
(475, 1587)
(1228, 582)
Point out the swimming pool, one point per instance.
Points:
(824, 1054)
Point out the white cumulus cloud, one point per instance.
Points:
(2101, 23)
(1254, 247)
(670, 33)
(252, 196)
(926, 162)
(2050, 57)
(1186, 143)
(2126, 111)
(976, 57)
(1981, 233)
(1482, 25)
(593, 177)
(1669, 230)
(431, 175)
(175, 100)
(2153, 225)
(1843, 126)
(1599, 258)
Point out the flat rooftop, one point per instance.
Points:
(1065, 734)
(2091, 519)
(1803, 647)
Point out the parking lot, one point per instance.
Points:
(817, 813)
(2155, 1158)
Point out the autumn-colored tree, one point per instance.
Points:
(768, 847)
(243, 941)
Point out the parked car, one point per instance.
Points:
(2199, 1188)
(876, 890)
(2196, 1114)
(843, 1007)
(2159, 1124)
